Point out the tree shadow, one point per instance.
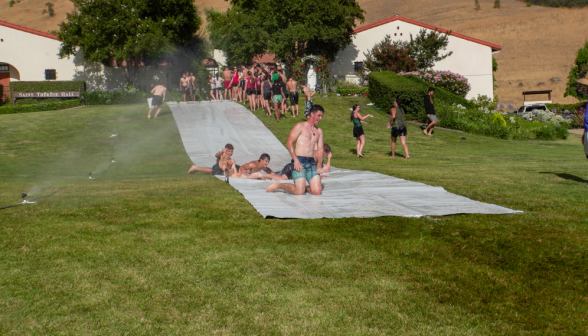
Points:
(566, 176)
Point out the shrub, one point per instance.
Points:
(50, 106)
(48, 86)
(452, 82)
(578, 71)
(558, 3)
(126, 97)
(498, 119)
(386, 86)
(361, 91)
(390, 55)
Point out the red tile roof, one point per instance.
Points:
(28, 30)
(495, 47)
(265, 58)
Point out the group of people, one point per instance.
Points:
(397, 124)
(307, 149)
(187, 86)
(262, 86)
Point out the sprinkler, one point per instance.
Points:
(24, 199)
(113, 135)
(90, 176)
(112, 160)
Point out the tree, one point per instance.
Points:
(290, 30)
(134, 31)
(390, 55)
(578, 71)
(425, 48)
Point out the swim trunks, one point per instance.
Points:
(216, 170)
(307, 108)
(157, 101)
(433, 117)
(191, 88)
(294, 98)
(278, 99)
(308, 169)
(242, 83)
(398, 131)
(227, 84)
(185, 90)
(357, 131)
(287, 170)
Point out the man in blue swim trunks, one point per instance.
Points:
(307, 137)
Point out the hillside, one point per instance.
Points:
(539, 43)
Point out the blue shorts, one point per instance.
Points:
(308, 169)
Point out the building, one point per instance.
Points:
(471, 58)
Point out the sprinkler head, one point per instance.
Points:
(23, 196)
(112, 160)
(90, 176)
(113, 135)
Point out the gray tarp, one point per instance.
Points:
(206, 127)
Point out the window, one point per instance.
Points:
(4, 68)
(50, 74)
(358, 66)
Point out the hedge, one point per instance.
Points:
(126, 97)
(40, 107)
(386, 86)
(569, 107)
(346, 92)
(48, 86)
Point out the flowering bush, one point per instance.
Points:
(447, 80)
(547, 117)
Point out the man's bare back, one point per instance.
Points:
(292, 85)
(227, 75)
(159, 90)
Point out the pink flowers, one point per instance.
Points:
(447, 80)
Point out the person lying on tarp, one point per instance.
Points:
(286, 172)
(257, 165)
(223, 161)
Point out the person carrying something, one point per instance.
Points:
(306, 135)
(184, 83)
(158, 93)
(293, 89)
(398, 124)
(223, 161)
(277, 96)
(430, 110)
(357, 119)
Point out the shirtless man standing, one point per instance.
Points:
(223, 161)
(158, 93)
(191, 87)
(184, 84)
(306, 135)
(227, 78)
(292, 86)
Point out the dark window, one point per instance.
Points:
(4, 68)
(50, 74)
(358, 66)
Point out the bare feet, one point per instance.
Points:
(193, 169)
(408, 157)
(425, 132)
(359, 155)
(392, 156)
(273, 187)
(148, 116)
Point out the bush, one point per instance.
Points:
(50, 106)
(483, 121)
(558, 3)
(578, 71)
(361, 91)
(126, 97)
(386, 86)
(48, 86)
(452, 82)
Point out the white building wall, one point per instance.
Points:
(32, 54)
(470, 59)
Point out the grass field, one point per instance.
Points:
(147, 249)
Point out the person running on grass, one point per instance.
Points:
(277, 96)
(430, 110)
(398, 125)
(357, 119)
(223, 161)
(158, 93)
(306, 135)
(293, 89)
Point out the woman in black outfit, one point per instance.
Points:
(357, 119)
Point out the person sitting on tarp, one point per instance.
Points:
(223, 161)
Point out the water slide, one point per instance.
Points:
(205, 128)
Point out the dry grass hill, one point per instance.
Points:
(539, 43)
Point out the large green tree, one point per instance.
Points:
(289, 29)
(134, 31)
(578, 71)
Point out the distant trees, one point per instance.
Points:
(558, 3)
(49, 9)
(421, 53)
(578, 71)
(134, 31)
(289, 29)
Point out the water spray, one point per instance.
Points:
(24, 199)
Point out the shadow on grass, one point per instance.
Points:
(567, 177)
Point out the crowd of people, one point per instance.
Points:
(261, 86)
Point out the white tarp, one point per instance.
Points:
(205, 128)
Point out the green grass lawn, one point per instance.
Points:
(147, 249)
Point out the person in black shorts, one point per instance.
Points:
(357, 119)
(266, 89)
(158, 93)
(223, 161)
(398, 125)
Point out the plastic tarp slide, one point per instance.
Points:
(205, 128)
